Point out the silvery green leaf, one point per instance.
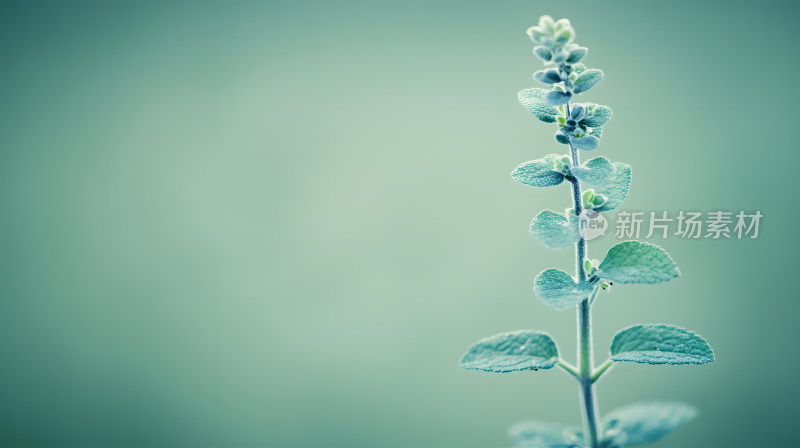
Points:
(578, 68)
(538, 173)
(536, 434)
(557, 98)
(562, 164)
(599, 199)
(638, 262)
(586, 143)
(547, 24)
(558, 289)
(547, 41)
(536, 33)
(644, 423)
(533, 100)
(562, 138)
(577, 54)
(562, 24)
(549, 76)
(511, 352)
(598, 116)
(560, 56)
(543, 53)
(597, 171)
(597, 132)
(578, 112)
(588, 196)
(554, 230)
(617, 188)
(587, 79)
(660, 344)
(564, 36)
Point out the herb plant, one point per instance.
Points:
(580, 126)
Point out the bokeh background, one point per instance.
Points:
(279, 224)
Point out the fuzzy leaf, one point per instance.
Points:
(638, 262)
(559, 290)
(557, 97)
(586, 143)
(597, 171)
(660, 344)
(643, 423)
(598, 116)
(543, 53)
(560, 56)
(533, 100)
(549, 76)
(578, 68)
(537, 32)
(577, 54)
(536, 434)
(562, 138)
(564, 36)
(538, 173)
(578, 112)
(587, 80)
(511, 352)
(617, 188)
(547, 24)
(554, 230)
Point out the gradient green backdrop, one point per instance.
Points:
(279, 224)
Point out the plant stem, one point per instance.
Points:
(569, 368)
(594, 295)
(585, 369)
(602, 369)
(585, 350)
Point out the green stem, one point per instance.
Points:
(594, 295)
(585, 351)
(569, 368)
(585, 369)
(602, 369)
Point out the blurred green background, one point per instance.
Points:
(279, 224)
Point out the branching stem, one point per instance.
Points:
(569, 368)
(602, 369)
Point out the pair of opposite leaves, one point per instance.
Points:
(625, 263)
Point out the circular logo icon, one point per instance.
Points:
(591, 224)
